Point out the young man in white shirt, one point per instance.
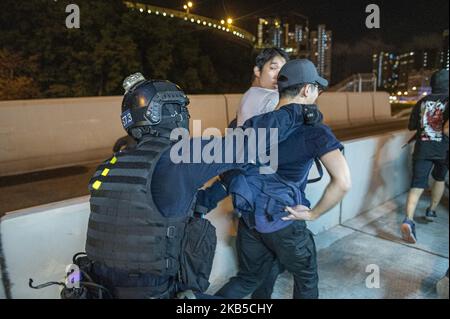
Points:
(262, 96)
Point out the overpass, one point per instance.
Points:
(199, 21)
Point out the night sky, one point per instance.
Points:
(400, 19)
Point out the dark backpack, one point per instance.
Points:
(197, 254)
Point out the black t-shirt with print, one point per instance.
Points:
(428, 118)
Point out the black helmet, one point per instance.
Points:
(153, 107)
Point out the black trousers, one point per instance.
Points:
(261, 257)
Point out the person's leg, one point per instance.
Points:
(437, 190)
(421, 171)
(294, 247)
(265, 290)
(411, 203)
(254, 260)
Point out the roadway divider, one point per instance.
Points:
(360, 107)
(50, 133)
(334, 107)
(210, 109)
(380, 170)
(381, 106)
(233, 101)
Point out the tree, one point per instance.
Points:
(15, 79)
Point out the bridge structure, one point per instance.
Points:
(199, 21)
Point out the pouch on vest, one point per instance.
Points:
(197, 254)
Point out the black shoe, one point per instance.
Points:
(430, 215)
(408, 230)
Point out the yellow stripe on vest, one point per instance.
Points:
(113, 160)
(96, 185)
(105, 172)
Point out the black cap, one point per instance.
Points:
(439, 82)
(299, 71)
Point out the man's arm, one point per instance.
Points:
(414, 117)
(340, 183)
(209, 198)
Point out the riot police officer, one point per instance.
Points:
(141, 228)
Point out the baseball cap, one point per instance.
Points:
(299, 71)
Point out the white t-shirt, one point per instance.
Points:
(256, 101)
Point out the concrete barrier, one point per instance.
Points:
(39, 243)
(360, 107)
(233, 101)
(334, 107)
(381, 106)
(210, 109)
(50, 133)
(380, 170)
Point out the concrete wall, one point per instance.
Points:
(39, 242)
(360, 107)
(334, 107)
(380, 170)
(51, 133)
(381, 106)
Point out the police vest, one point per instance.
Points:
(126, 231)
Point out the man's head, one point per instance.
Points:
(439, 82)
(268, 64)
(153, 107)
(299, 82)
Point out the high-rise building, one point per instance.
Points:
(385, 67)
(321, 46)
(289, 32)
(418, 65)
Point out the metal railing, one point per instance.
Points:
(360, 82)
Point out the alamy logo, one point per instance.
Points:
(73, 19)
(238, 146)
(373, 19)
(373, 280)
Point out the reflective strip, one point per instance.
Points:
(113, 160)
(96, 185)
(134, 165)
(105, 172)
(126, 180)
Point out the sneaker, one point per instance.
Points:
(408, 229)
(430, 215)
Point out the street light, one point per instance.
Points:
(229, 21)
(222, 21)
(188, 6)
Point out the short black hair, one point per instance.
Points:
(291, 91)
(268, 54)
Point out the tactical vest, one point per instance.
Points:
(126, 230)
